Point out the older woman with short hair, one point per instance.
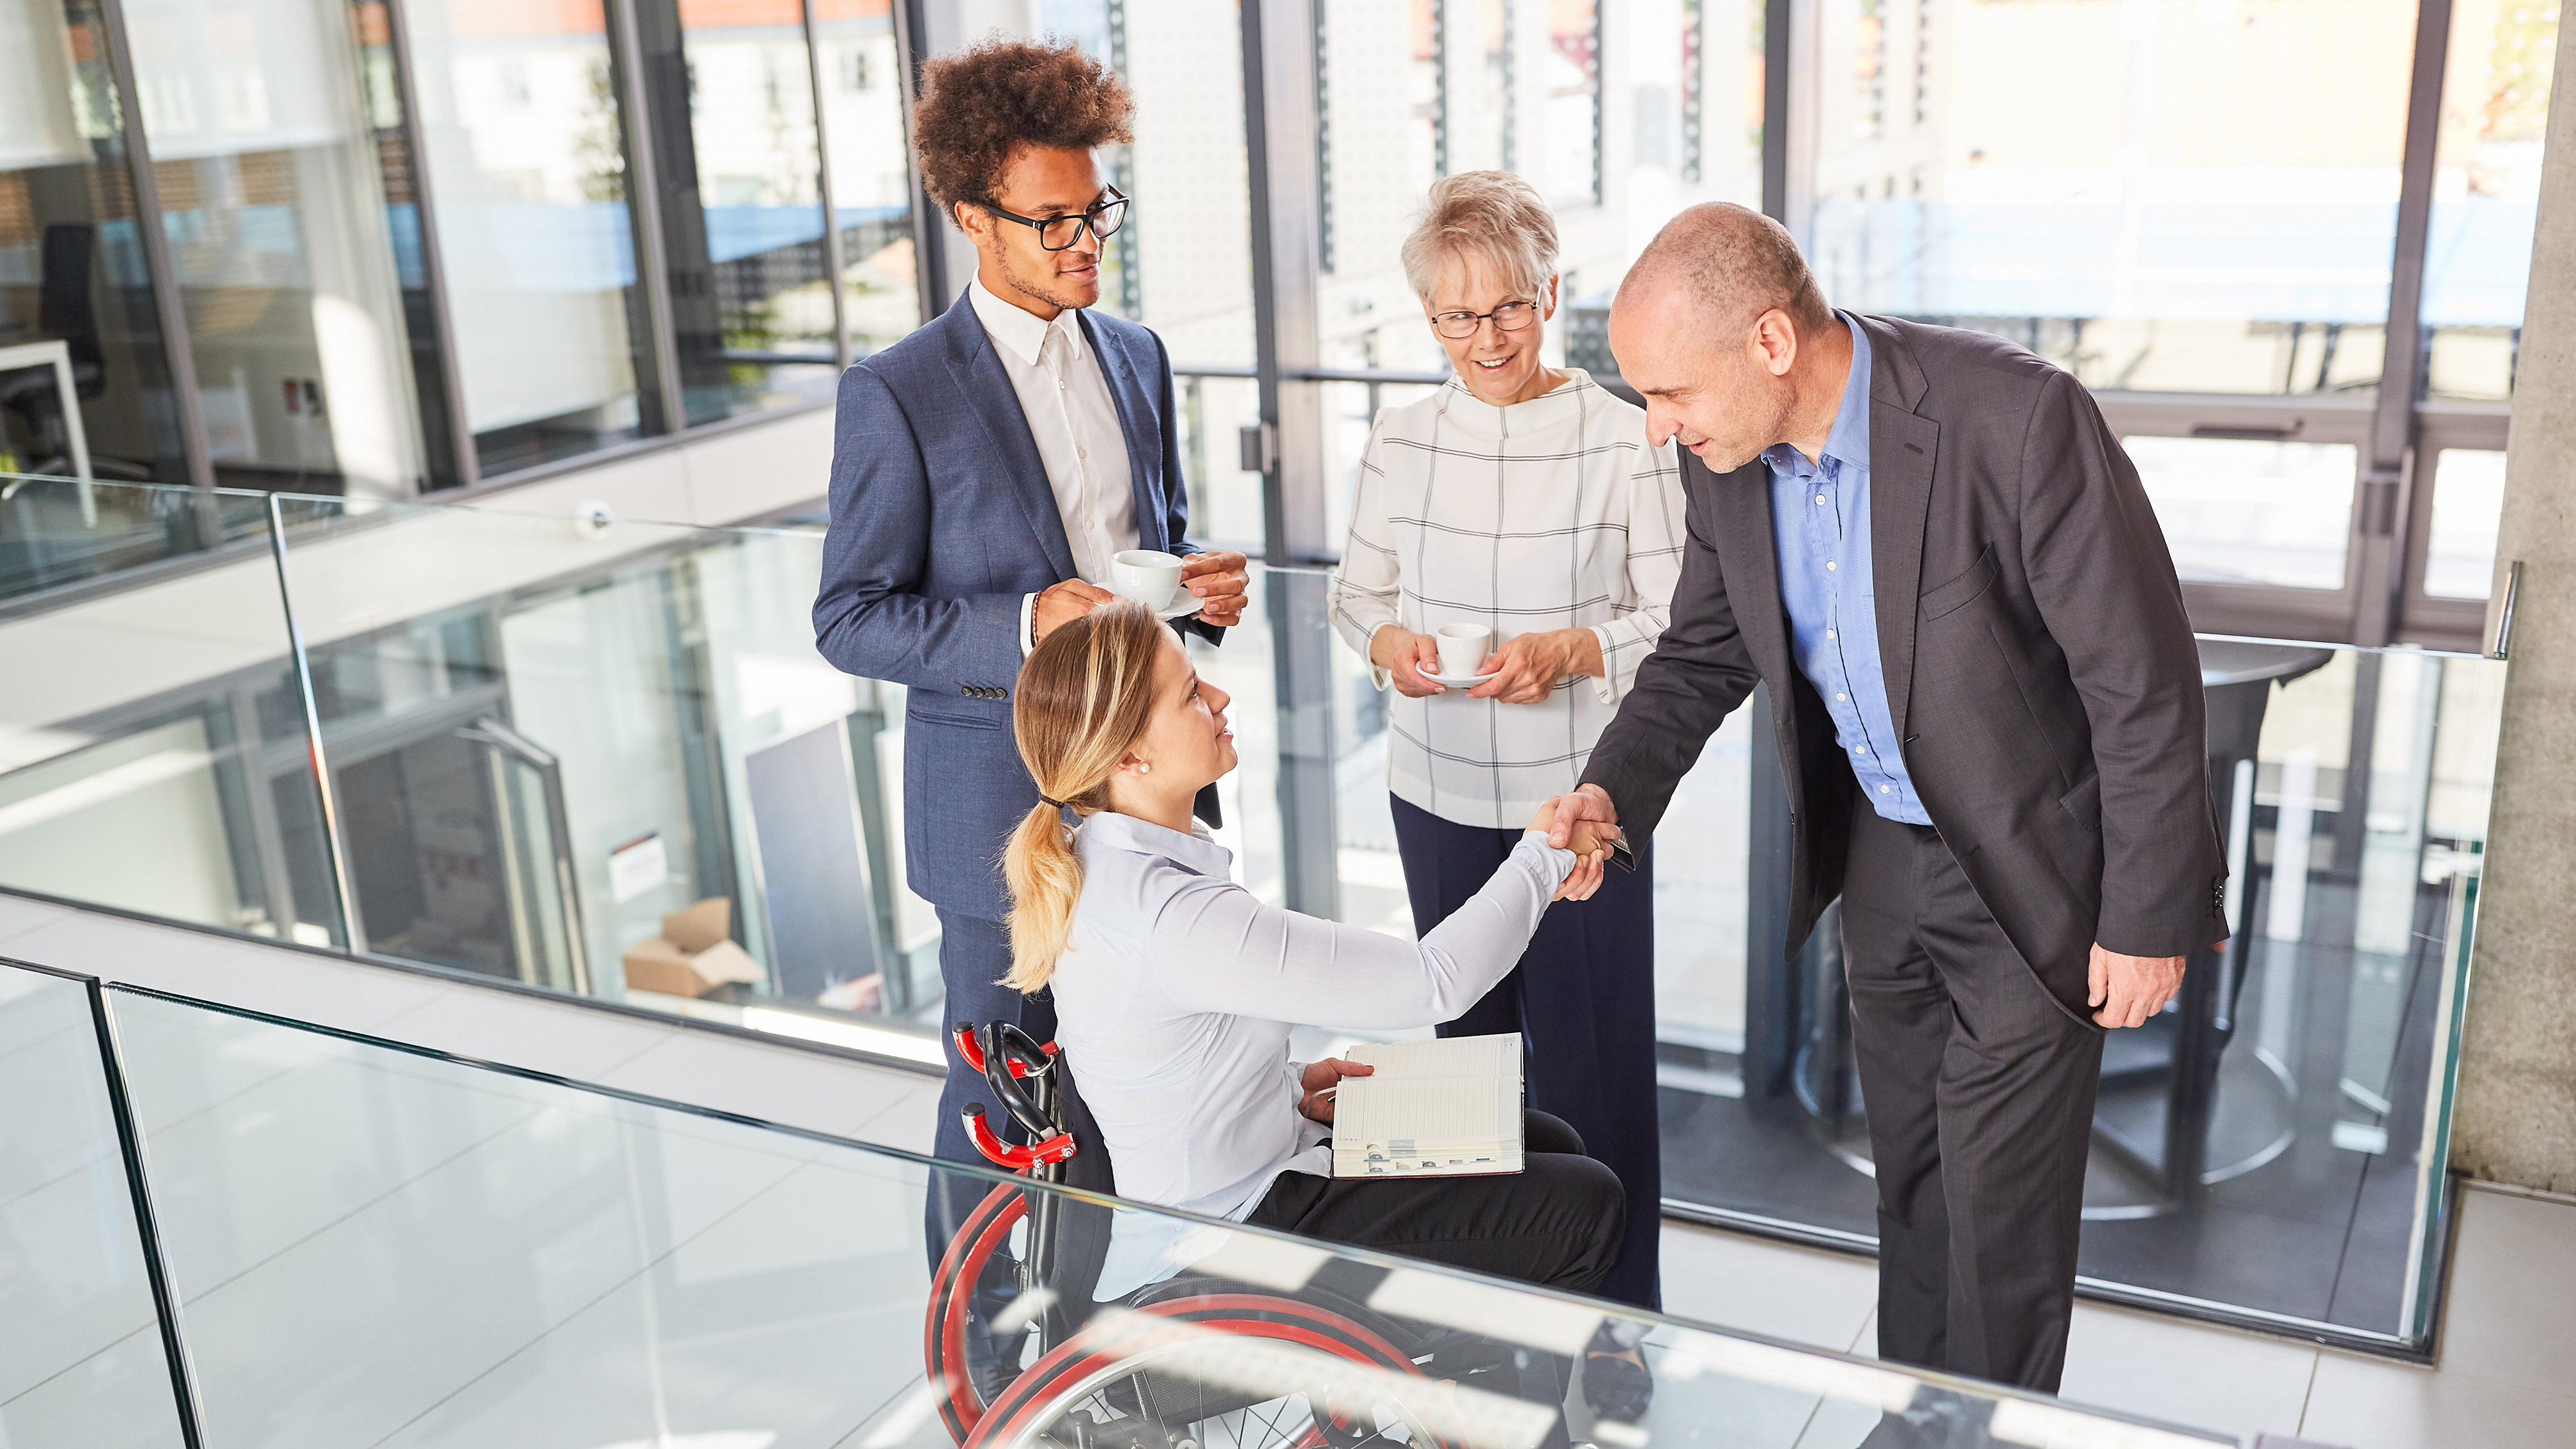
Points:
(1526, 499)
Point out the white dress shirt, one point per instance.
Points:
(1065, 397)
(1553, 513)
(1173, 1002)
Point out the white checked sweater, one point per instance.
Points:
(1549, 514)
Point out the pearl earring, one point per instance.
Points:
(1144, 767)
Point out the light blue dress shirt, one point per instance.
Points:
(1820, 531)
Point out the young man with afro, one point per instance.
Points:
(985, 471)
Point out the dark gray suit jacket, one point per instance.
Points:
(2039, 666)
(942, 519)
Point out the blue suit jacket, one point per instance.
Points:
(942, 519)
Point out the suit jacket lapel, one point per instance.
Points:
(1136, 422)
(1745, 551)
(977, 370)
(1902, 445)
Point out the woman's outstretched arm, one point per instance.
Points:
(1216, 947)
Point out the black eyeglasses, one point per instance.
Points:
(1055, 233)
(1509, 317)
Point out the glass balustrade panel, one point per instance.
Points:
(160, 764)
(372, 1244)
(81, 1358)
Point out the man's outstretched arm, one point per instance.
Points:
(1696, 676)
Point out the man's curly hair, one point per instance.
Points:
(981, 105)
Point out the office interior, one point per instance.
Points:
(415, 416)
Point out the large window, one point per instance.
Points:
(2189, 195)
(269, 176)
(1182, 263)
(2468, 502)
(857, 54)
(2250, 513)
(1448, 75)
(526, 157)
(740, 182)
(76, 295)
(2486, 193)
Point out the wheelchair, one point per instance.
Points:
(1196, 1361)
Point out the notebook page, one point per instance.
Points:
(1433, 1113)
(1433, 1126)
(1498, 1055)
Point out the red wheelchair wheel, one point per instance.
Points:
(952, 1299)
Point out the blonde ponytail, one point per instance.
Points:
(1084, 698)
(1045, 877)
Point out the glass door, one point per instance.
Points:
(535, 858)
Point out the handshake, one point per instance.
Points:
(1584, 823)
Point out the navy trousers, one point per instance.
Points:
(1583, 998)
(973, 954)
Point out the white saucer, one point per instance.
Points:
(1189, 605)
(1458, 681)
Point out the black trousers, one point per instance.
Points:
(1583, 998)
(973, 955)
(1979, 1086)
(1558, 1222)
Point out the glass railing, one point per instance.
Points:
(604, 759)
(349, 1241)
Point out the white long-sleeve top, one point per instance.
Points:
(1175, 995)
(1554, 513)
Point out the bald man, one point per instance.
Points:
(1988, 705)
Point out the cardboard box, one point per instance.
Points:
(694, 955)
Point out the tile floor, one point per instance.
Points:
(746, 1277)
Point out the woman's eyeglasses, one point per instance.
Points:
(1056, 233)
(1509, 317)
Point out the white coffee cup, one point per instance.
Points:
(1463, 647)
(1149, 576)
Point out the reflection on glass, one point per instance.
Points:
(274, 203)
(1182, 264)
(527, 164)
(1570, 78)
(2246, 512)
(1225, 498)
(74, 291)
(1426, 83)
(1484, 92)
(1099, 28)
(871, 178)
(2209, 206)
(1451, 75)
(735, 153)
(2486, 192)
(2468, 502)
(471, 1252)
(140, 775)
(55, 533)
(612, 766)
(79, 1362)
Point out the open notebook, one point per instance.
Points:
(1449, 1108)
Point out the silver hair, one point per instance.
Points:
(1492, 214)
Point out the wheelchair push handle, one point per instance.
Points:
(1027, 1056)
(1017, 1159)
(1019, 1071)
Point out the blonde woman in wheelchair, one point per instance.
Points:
(1176, 988)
